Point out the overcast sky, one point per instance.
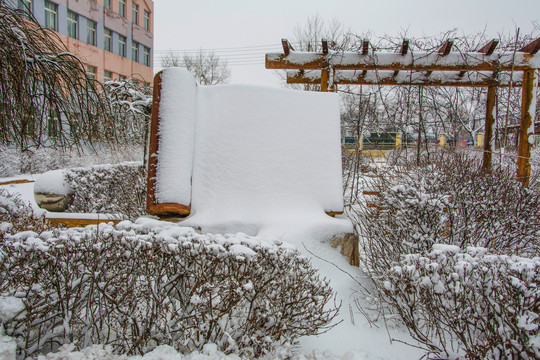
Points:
(243, 30)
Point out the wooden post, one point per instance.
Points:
(489, 128)
(325, 75)
(526, 131)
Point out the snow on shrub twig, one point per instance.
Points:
(115, 189)
(139, 285)
(454, 253)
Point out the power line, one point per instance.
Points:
(226, 49)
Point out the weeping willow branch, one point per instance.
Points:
(46, 98)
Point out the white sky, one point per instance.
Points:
(260, 25)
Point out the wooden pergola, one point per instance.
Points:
(482, 68)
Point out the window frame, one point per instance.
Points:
(135, 51)
(107, 40)
(134, 13)
(105, 77)
(51, 14)
(146, 20)
(71, 22)
(107, 4)
(27, 6)
(122, 8)
(91, 72)
(122, 43)
(146, 56)
(91, 32)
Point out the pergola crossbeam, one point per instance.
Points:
(451, 79)
(482, 68)
(365, 46)
(531, 48)
(447, 47)
(490, 47)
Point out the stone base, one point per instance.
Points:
(53, 202)
(349, 247)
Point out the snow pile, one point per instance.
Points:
(261, 159)
(139, 285)
(52, 182)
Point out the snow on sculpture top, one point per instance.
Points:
(244, 155)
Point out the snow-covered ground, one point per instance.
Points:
(266, 162)
(352, 338)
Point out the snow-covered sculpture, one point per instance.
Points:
(244, 158)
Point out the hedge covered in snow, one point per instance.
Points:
(474, 303)
(108, 189)
(454, 253)
(149, 283)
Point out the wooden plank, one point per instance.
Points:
(489, 129)
(324, 46)
(365, 46)
(531, 48)
(79, 222)
(281, 63)
(389, 62)
(12, 182)
(361, 79)
(286, 46)
(325, 75)
(447, 47)
(153, 146)
(528, 107)
(404, 47)
(166, 209)
(489, 48)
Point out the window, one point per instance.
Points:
(51, 11)
(26, 6)
(107, 4)
(107, 39)
(91, 32)
(146, 20)
(91, 72)
(107, 75)
(135, 13)
(122, 45)
(122, 8)
(135, 51)
(72, 24)
(146, 56)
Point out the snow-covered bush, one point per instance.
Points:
(139, 285)
(114, 189)
(39, 160)
(16, 215)
(469, 302)
(451, 201)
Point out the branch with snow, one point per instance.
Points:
(140, 285)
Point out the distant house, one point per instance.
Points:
(113, 38)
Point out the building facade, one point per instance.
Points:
(113, 38)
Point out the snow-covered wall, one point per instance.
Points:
(254, 155)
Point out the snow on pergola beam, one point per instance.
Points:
(449, 78)
(484, 67)
(409, 60)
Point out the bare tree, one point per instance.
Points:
(46, 98)
(207, 67)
